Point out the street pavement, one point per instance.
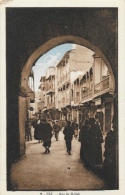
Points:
(55, 171)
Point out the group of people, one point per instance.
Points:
(44, 130)
(91, 139)
(43, 133)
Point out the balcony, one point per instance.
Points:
(67, 102)
(99, 89)
(64, 102)
(77, 100)
(86, 96)
(50, 89)
(51, 105)
(61, 103)
(103, 87)
(64, 79)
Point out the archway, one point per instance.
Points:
(30, 62)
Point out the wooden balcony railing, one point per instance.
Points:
(87, 95)
(77, 100)
(50, 87)
(97, 88)
(64, 78)
(103, 85)
(51, 105)
(63, 102)
(68, 101)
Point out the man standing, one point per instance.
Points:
(68, 132)
(56, 128)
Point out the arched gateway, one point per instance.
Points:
(95, 29)
(31, 61)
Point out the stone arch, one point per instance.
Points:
(26, 73)
(53, 43)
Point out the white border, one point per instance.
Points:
(121, 70)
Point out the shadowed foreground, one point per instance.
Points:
(54, 171)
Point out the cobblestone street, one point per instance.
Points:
(54, 171)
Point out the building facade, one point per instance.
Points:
(73, 64)
(48, 95)
(93, 95)
(78, 87)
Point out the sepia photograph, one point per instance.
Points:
(62, 92)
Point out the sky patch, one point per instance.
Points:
(51, 58)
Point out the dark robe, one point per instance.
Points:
(110, 168)
(47, 134)
(110, 153)
(84, 151)
(95, 148)
(68, 132)
(34, 123)
(38, 133)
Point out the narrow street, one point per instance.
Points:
(54, 171)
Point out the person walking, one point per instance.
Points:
(56, 128)
(95, 141)
(47, 135)
(75, 128)
(28, 130)
(68, 132)
(33, 125)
